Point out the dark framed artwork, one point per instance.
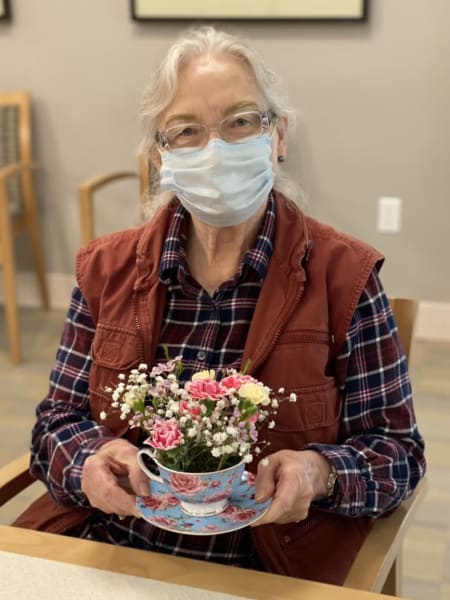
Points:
(303, 10)
(5, 10)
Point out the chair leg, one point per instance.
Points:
(32, 224)
(9, 277)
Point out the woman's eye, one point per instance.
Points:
(186, 132)
(240, 122)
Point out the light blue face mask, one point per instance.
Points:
(221, 184)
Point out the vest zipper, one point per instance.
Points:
(321, 337)
(140, 337)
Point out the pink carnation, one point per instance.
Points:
(166, 435)
(235, 381)
(193, 409)
(205, 389)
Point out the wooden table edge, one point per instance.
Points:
(172, 569)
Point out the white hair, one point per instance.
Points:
(162, 88)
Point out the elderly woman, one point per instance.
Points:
(229, 270)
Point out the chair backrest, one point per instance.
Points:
(405, 311)
(15, 141)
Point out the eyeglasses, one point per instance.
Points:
(235, 128)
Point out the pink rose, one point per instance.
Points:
(220, 496)
(186, 484)
(166, 435)
(235, 381)
(160, 502)
(239, 515)
(205, 389)
(164, 522)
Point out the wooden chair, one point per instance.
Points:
(377, 566)
(148, 182)
(18, 210)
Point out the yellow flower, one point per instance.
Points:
(207, 374)
(256, 393)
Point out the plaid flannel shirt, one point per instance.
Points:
(379, 459)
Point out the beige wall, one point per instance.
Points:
(375, 118)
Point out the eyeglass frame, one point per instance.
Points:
(267, 117)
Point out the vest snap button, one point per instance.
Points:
(286, 539)
(201, 355)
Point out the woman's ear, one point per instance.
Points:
(155, 157)
(282, 125)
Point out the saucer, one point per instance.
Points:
(163, 510)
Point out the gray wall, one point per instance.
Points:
(373, 99)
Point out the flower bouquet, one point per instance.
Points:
(207, 424)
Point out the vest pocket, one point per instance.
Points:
(314, 417)
(115, 348)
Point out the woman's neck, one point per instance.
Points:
(214, 253)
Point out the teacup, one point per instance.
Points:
(199, 494)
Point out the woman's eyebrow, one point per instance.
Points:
(192, 118)
(182, 118)
(242, 105)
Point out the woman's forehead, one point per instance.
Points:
(220, 84)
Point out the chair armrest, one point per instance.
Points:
(15, 169)
(376, 556)
(14, 478)
(86, 191)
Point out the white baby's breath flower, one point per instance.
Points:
(264, 462)
(292, 397)
(248, 458)
(231, 430)
(103, 415)
(219, 437)
(271, 425)
(216, 452)
(143, 367)
(281, 390)
(192, 432)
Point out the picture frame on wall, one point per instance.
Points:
(303, 10)
(5, 10)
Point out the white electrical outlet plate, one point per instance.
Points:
(389, 216)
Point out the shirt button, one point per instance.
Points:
(201, 355)
(286, 539)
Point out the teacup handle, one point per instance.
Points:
(140, 460)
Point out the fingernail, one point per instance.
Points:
(143, 489)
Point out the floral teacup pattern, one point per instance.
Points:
(163, 509)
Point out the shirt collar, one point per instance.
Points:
(173, 254)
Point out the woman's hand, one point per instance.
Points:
(112, 477)
(293, 479)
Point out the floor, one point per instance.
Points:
(426, 552)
